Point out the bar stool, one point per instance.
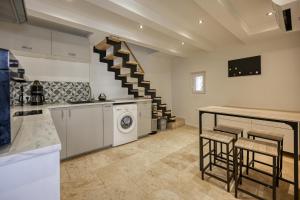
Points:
(234, 131)
(259, 147)
(278, 138)
(213, 137)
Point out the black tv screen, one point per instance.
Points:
(244, 66)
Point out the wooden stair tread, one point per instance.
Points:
(157, 98)
(130, 83)
(162, 105)
(145, 82)
(102, 46)
(110, 57)
(123, 75)
(114, 39)
(131, 63)
(151, 90)
(139, 73)
(118, 66)
(123, 51)
(172, 118)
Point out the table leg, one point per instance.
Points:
(215, 143)
(200, 132)
(296, 159)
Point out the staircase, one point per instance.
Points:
(121, 60)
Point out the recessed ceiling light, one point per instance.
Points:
(140, 26)
(182, 43)
(200, 21)
(270, 13)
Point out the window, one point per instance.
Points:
(198, 82)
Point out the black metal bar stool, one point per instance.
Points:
(213, 137)
(272, 137)
(259, 147)
(234, 131)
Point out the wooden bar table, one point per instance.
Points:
(290, 118)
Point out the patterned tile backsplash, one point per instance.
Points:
(55, 92)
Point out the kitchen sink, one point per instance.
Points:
(26, 113)
(87, 101)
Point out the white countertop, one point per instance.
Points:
(38, 134)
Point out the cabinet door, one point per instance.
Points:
(70, 47)
(25, 39)
(108, 125)
(31, 40)
(144, 118)
(59, 117)
(85, 129)
(6, 36)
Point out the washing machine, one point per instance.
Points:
(125, 123)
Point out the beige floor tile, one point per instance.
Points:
(164, 166)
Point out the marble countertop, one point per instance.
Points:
(38, 135)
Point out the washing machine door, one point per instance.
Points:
(126, 122)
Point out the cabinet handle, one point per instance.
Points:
(26, 47)
(72, 54)
(62, 114)
(70, 114)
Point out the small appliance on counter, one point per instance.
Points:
(37, 93)
(102, 97)
(9, 71)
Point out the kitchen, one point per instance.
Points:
(89, 110)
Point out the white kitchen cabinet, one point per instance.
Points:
(144, 118)
(26, 39)
(70, 47)
(85, 129)
(33, 40)
(6, 36)
(80, 129)
(59, 117)
(108, 125)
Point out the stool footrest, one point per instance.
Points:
(250, 194)
(216, 177)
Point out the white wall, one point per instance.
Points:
(54, 70)
(276, 88)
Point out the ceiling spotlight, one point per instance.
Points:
(200, 21)
(182, 43)
(141, 26)
(270, 13)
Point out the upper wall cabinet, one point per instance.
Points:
(33, 41)
(70, 47)
(25, 39)
(36, 41)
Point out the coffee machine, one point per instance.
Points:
(37, 93)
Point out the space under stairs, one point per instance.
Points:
(121, 60)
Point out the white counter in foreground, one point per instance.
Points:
(30, 166)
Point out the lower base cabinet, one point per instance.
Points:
(59, 117)
(144, 119)
(80, 128)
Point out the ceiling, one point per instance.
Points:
(170, 26)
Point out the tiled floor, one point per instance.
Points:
(158, 167)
